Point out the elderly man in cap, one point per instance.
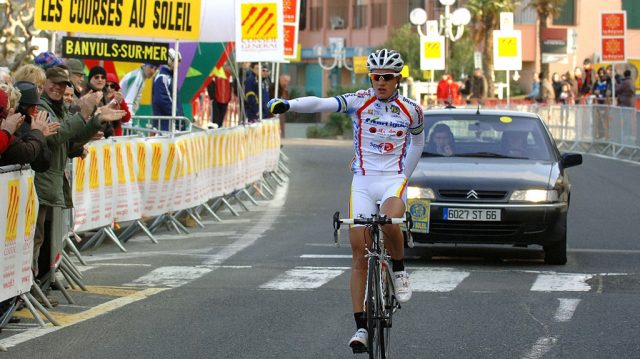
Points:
(52, 186)
(76, 75)
(132, 84)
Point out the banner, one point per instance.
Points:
(169, 19)
(613, 26)
(259, 31)
(126, 178)
(114, 50)
(18, 215)
(291, 13)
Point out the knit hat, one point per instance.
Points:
(75, 66)
(4, 101)
(114, 80)
(97, 70)
(47, 60)
(58, 75)
(29, 92)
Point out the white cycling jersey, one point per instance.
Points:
(381, 129)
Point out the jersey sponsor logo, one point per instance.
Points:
(374, 121)
(382, 147)
(386, 132)
(395, 110)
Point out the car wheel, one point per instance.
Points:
(556, 251)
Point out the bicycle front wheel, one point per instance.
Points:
(375, 311)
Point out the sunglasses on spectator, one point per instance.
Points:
(99, 77)
(112, 86)
(386, 77)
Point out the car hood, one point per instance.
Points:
(482, 173)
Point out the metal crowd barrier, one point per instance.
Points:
(157, 125)
(601, 129)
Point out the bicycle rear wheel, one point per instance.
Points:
(375, 311)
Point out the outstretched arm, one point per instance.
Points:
(309, 104)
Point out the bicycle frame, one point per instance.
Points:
(379, 299)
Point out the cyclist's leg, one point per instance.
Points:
(360, 204)
(394, 206)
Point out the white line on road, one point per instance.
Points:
(565, 310)
(562, 282)
(541, 347)
(322, 256)
(169, 277)
(436, 280)
(304, 278)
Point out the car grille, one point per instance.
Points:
(473, 229)
(461, 194)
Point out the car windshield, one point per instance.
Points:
(471, 135)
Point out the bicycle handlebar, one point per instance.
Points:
(374, 219)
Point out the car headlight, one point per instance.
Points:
(419, 192)
(534, 195)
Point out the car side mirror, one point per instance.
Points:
(571, 159)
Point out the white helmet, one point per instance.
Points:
(385, 59)
(172, 55)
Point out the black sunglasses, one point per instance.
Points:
(113, 86)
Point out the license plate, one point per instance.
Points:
(470, 214)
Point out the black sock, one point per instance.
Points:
(361, 320)
(397, 265)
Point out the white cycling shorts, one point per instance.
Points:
(367, 190)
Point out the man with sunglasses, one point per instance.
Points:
(388, 140)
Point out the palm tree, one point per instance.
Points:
(485, 17)
(545, 9)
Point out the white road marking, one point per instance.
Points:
(541, 347)
(192, 235)
(566, 308)
(169, 277)
(303, 278)
(436, 280)
(562, 282)
(331, 256)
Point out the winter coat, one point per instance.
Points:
(53, 186)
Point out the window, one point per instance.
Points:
(633, 13)
(567, 14)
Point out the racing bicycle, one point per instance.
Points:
(379, 300)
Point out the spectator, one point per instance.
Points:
(76, 75)
(52, 186)
(8, 124)
(447, 91)
(31, 73)
(5, 76)
(29, 145)
(441, 140)
(626, 91)
(602, 98)
(251, 90)
(479, 87)
(69, 96)
(132, 85)
(534, 95)
(465, 89)
(96, 83)
(114, 96)
(219, 91)
(547, 93)
(587, 76)
(556, 82)
(162, 92)
(47, 60)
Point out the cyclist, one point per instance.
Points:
(388, 142)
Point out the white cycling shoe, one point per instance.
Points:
(402, 286)
(358, 342)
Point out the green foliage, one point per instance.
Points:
(406, 41)
(295, 117)
(338, 125)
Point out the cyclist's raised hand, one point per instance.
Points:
(278, 105)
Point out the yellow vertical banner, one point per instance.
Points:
(168, 171)
(107, 166)
(13, 198)
(142, 161)
(122, 175)
(79, 174)
(94, 178)
(31, 210)
(156, 157)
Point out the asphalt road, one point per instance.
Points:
(271, 284)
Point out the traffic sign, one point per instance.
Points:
(432, 53)
(507, 50)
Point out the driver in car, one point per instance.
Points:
(441, 140)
